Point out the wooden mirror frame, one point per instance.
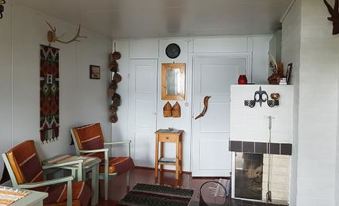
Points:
(164, 69)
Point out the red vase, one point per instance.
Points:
(242, 79)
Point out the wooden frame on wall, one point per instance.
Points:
(173, 81)
(94, 72)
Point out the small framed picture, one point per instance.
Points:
(94, 72)
(289, 73)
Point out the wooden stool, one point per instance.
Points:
(173, 136)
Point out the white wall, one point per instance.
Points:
(251, 124)
(5, 84)
(337, 170)
(256, 46)
(337, 162)
(81, 100)
(317, 106)
(318, 102)
(291, 28)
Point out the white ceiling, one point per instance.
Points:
(159, 18)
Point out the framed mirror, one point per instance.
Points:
(173, 81)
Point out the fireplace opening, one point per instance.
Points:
(249, 175)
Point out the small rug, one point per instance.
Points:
(156, 195)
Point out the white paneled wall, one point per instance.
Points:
(82, 100)
(256, 47)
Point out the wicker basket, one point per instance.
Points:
(167, 110)
(176, 110)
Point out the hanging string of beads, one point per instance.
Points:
(115, 79)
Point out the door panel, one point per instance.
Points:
(213, 121)
(207, 156)
(143, 93)
(213, 77)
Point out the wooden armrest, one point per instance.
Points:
(105, 150)
(94, 150)
(45, 183)
(57, 165)
(118, 143)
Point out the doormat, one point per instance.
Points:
(49, 93)
(156, 195)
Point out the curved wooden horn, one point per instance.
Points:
(206, 99)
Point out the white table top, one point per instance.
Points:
(88, 162)
(34, 198)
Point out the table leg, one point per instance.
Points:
(161, 155)
(177, 160)
(180, 156)
(95, 184)
(80, 172)
(75, 174)
(156, 158)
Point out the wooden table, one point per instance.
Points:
(89, 164)
(171, 136)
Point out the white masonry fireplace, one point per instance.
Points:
(261, 142)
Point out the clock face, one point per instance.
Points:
(173, 51)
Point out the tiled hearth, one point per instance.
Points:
(261, 147)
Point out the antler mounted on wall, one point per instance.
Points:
(2, 8)
(52, 36)
(334, 15)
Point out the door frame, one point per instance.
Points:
(193, 57)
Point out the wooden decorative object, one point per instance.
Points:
(2, 8)
(334, 15)
(114, 66)
(206, 99)
(52, 36)
(116, 100)
(112, 88)
(278, 73)
(176, 110)
(167, 110)
(173, 82)
(116, 78)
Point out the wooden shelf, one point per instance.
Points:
(165, 160)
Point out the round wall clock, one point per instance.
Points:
(173, 51)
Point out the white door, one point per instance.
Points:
(213, 76)
(143, 104)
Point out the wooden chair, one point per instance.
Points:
(26, 172)
(89, 141)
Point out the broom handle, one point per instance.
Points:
(269, 153)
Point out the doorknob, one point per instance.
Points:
(203, 112)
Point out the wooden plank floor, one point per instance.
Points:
(118, 189)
